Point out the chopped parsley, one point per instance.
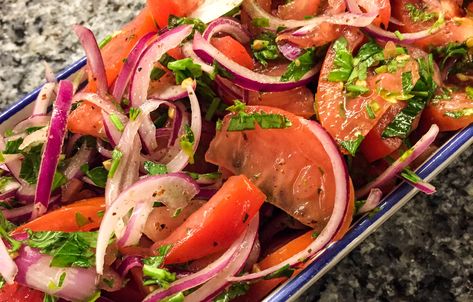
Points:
(343, 62)
(244, 121)
(187, 142)
(264, 48)
(459, 113)
(5, 228)
(300, 66)
(155, 168)
(234, 291)
(13, 146)
(98, 175)
(134, 113)
(419, 14)
(185, 68)
(352, 145)
(422, 92)
(260, 22)
(153, 271)
(117, 122)
(174, 21)
(469, 92)
(116, 157)
(370, 112)
(66, 249)
(285, 271)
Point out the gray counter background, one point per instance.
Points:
(423, 253)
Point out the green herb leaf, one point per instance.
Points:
(234, 291)
(285, 271)
(134, 113)
(187, 143)
(343, 62)
(117, 122)
(469, 92)
(155, 168)
(407, 84)
(98, 175)
(66, 249)
(260, 22)
(30, 164)
(116, 157)
(300, 66)
(153, 272)
(459, 113)
(243, 121)
(33, 129)
(174, 21)
(58, 181)
(370, 112)
(156, 74)
(12, 147)
(179, 297)
(419, 14)
(185, 68)
(5, 228)
(352, 146)
(264, 48)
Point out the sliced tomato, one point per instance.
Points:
(299, 101)
(19, 293)
(322, 34)
(234, 50)
(456, 29)
(163, 9)
(346, 118)
(298, 9)
(450, 114)
(86, 119)
(382, 7)
(84, 216)
(375, 146)
(289, 165)
(219, 222)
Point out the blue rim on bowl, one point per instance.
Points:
(294, 287)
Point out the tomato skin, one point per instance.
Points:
(64, 219)
(87, 119)
(233, 50)
(19, 293)
(219, 222)
(374, 146)
(435, 113)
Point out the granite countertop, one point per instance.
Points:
(423, 253)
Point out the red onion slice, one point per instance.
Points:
(174, 190)
(15, 213)
(35, 138)
(78, 160)
(373, 200)
(423, 186)
(128, 263)
(99, 101)
(352, 19)
(189, 53)
(384, 35)
(130, 64)
(213, 270)
(171, 93)
(212, 9)
(44, 97)
(289, 51)
(402, 162)
(213, 287)
(141, 77)
(229, 26)
(8, 189)
(340, 206)
(182, 159)
(136, 224)
(34, 271)
(39, 120)
(53, 147)
(94, 58)
(49, 73)
(243, 76)
(8, 268)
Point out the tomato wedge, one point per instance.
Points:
(289, 165)
(162, 9)
(234, 50)
(449, 114)
(19, 293)
(219, 222)
(86, 119)
(81, 216)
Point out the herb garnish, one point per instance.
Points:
(98, 175)
(352, 145)
(264, 48)
(300, 66)
(155, 168)
(187, 142)
(153, 271)
(234, 291)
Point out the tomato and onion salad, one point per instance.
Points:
(211, 149)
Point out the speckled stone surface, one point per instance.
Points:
(423, 253)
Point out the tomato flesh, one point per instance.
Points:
(19, 293)
(289, 165)
(217, 224)
(234, 50)
(163, 9)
